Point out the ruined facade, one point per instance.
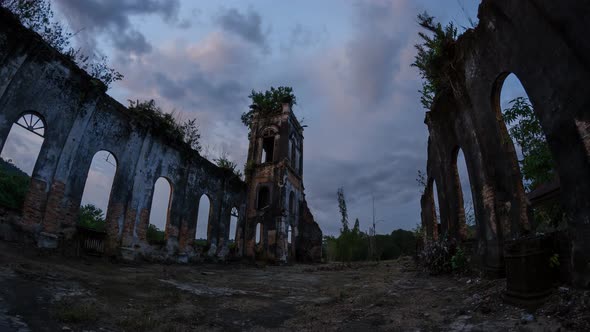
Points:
(277, 214)
(80, 120)
(544, 43)
(51, 96)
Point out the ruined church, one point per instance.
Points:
(49, 91)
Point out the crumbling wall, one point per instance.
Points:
(309, 241)
(544, 44)
(80, 120)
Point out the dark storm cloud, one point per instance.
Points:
(247, 26)
(112, 17)
(208, 80)
(169, 88)
(194, 90)
(132, 41)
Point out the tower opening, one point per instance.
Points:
(268, 144)
(263, 198)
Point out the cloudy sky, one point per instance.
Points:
(347, 61)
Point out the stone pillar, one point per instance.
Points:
(213, 224)
(282, 245)
(115, 215)
(177, 211)
(188, 224)
(137, 214)
(223, 231)
(428, 214)
(258, 151)
(276, 148)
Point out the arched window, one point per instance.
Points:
(263, 198)
(201, 234)
(290, 234)
(161, 200)
(268, 144)
(233, 224)
(97, 190)
(524, 130)
(258, 233)
(23, 144)
(466, 198)
(292, 203)
(529, 152)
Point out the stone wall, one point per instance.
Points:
(81, 119)
(544, 43)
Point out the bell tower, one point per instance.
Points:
(274, 175)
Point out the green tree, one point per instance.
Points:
(537, 163)
(38, 16)
(155, 236)
(357, 226)
(91, 217)
(343, 211)
(14, 185)
(268, 102)
(434, 57)
(191, 134)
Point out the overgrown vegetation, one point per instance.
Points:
(536, 165)
(268, 102)
(225, 163)
(91, 217)
(155, 236)
(443, 256)
(434, 57)
(168, 124)
(38, 16)
(14, 185)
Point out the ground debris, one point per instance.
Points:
(376, 296)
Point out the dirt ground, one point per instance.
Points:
(41, 292)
